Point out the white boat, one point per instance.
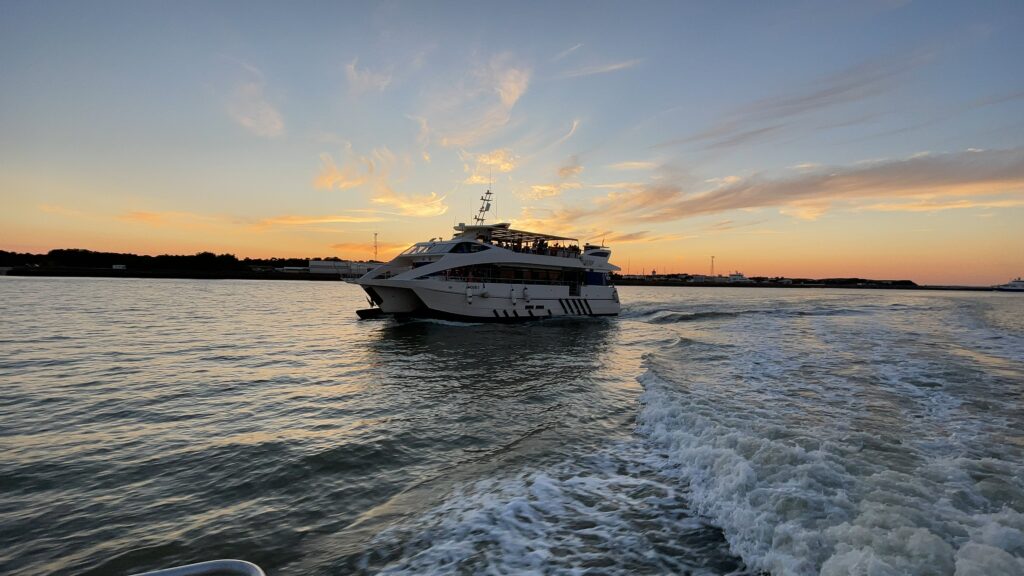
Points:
(491, 272)
(1016, 285)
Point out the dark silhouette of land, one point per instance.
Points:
(80, 262)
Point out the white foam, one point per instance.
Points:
(606, 512)
(841, 445)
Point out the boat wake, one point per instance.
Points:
(830, 440)
(609, 512)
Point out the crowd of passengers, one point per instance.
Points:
(540, 247)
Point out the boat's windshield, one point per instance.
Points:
(426, 248)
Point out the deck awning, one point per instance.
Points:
(502, 233)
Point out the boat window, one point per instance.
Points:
(420, 248)
(468, 247)
(601, 254)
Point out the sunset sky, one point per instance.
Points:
(880, 139)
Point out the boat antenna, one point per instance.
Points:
(375, 247)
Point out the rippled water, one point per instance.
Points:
(147, 423)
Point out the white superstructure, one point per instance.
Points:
(491, 272)
(1015, 285)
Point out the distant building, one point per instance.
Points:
(737, 278)
(343, 268)
(120, 267)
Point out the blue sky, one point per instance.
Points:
(754, 130)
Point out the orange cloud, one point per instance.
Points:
(140, 216)
(170, 218)
(374, 171)
(539, 191)
(936, 206)
(57, 209)
(501, 160)
(633, 165)
(332, 177)
(385, 250)
(306, 220)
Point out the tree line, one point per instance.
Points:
(207, 261)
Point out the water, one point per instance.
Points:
(147, 423)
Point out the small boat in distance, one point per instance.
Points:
(1016, 285)
(493, 273)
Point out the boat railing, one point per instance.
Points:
(555, 252)
(211, 568)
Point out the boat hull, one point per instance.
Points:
(489, 302)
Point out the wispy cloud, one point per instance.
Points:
(172, 219)
(567, 175)
(365, 80)
(466, 112)
(423, 137)
(729, 225)
(482, 166)
(142, 216)
(942, 205)
(571, 168)
(539, 191)
(566, 52)
(616, 185)
(921, 178)
(542, 142)
(633, 165)
(769, 117)
(250, 108)
(373, 171)
(292, 220)
(602, 68)
(58, 210)
(350, 175)
(531, 219)
(947, 113)
(645, 236)
(565, 138)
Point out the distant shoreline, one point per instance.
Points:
(859, 286)
(58, 272)
(68, 272)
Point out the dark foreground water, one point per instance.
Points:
(148, 423)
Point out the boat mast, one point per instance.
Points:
(485, 205)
